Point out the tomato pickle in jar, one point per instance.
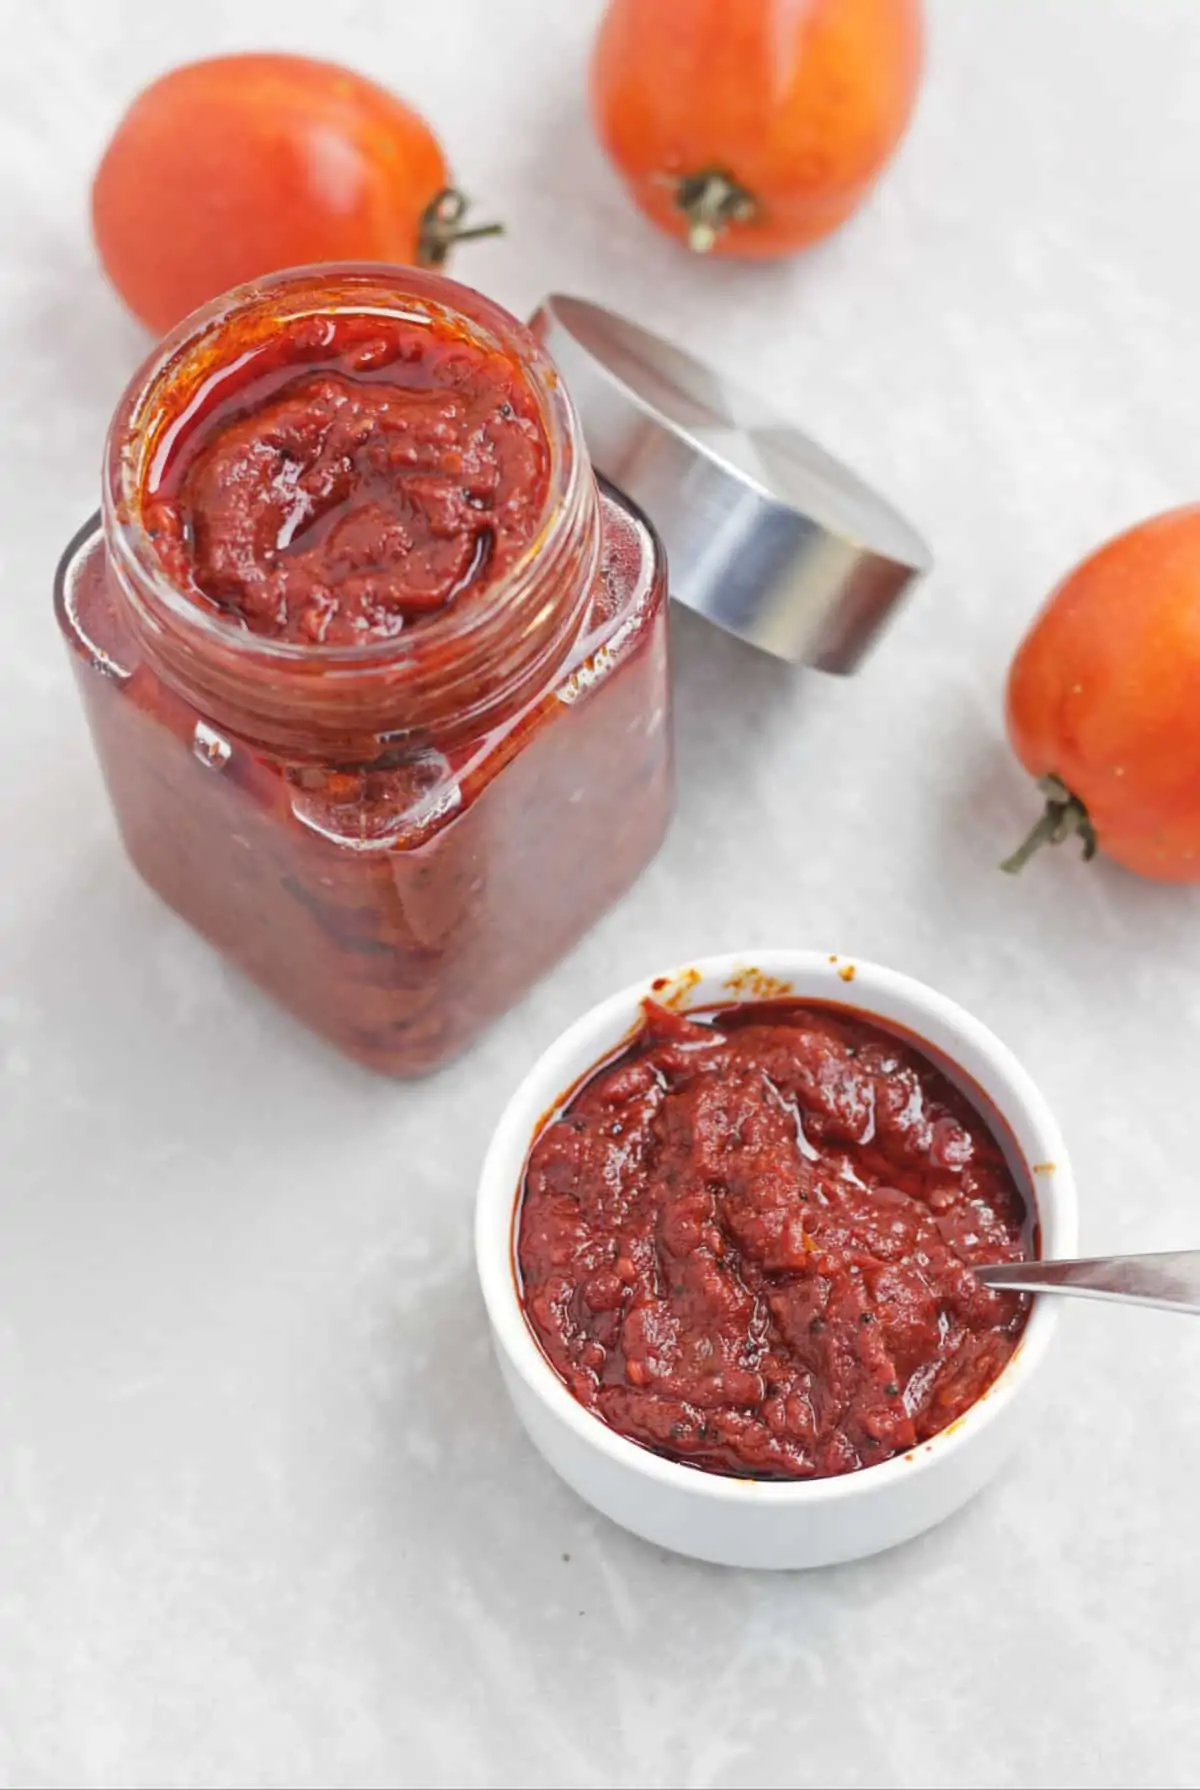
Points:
(375, 667)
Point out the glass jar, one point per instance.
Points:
(395, 837)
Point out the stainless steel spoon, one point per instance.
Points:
(1170, 1280)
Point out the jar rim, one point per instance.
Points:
(191, 353)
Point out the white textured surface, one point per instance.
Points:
(264, 1516)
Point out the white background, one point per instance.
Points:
(265, 1518)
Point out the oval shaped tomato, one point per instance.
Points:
(753, 127)
(1104, 702)
(230, 168)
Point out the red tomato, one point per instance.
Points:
(235, 167)
(1104, 702)
(752, 127)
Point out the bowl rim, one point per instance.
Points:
(599, 1030)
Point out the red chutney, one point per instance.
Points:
(353, 476)
(746, 1242)
(375, 671)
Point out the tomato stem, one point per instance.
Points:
(441, 227)
(1064, 817)
(711, 200)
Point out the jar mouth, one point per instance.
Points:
(155, 410)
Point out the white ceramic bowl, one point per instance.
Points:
(744, 1522)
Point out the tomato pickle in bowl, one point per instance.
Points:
(725, 1232)
(375, 667)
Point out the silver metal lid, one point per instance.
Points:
(766, 534)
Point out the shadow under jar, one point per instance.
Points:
(375, 669)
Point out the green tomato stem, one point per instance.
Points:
(441, 227)
(711, 200)
(1064, 817)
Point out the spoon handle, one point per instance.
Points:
(1170, 1280)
